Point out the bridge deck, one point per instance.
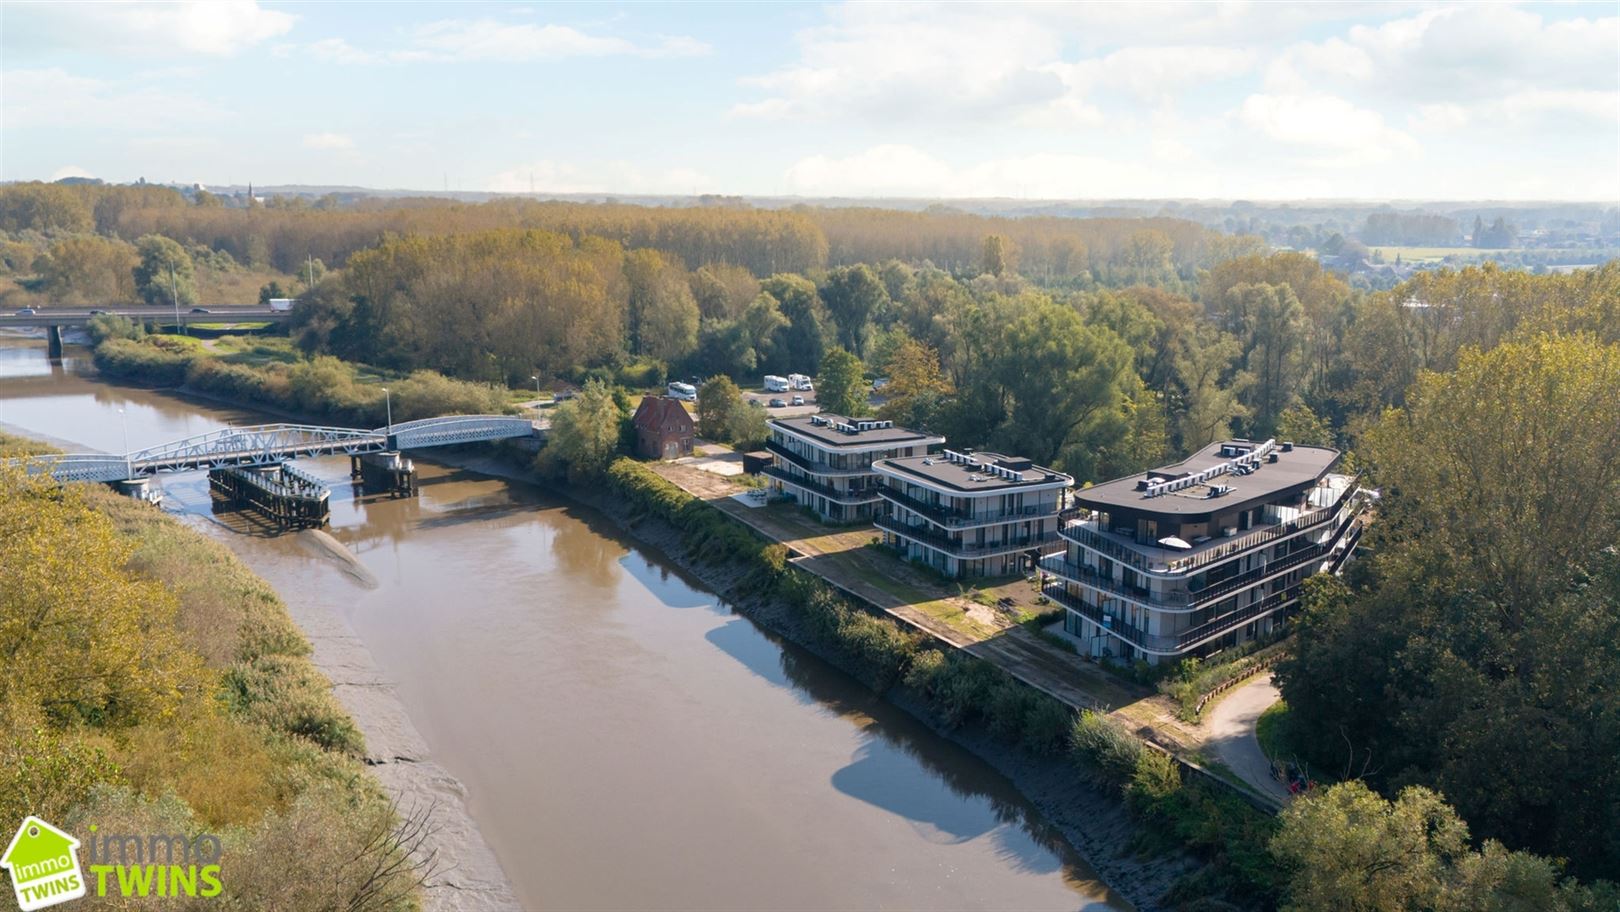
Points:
(268, 443)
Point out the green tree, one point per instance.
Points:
(585, 429)
(1477, 657)
(1212, 387)
(841, 384)
(854, 295)
(802, 341)
(718, 403)
(998, 258)
(916, 385)
(164, 272)
(663, 315)
(269, 291)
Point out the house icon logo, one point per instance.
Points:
(44, 865)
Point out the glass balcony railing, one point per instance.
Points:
(953, 545)
(955, 519)
(856, 496)
(1181, 641)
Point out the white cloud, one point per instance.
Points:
(1334, 131)
(550, 176)
(328, 141)
(69, 171)
(216, 28)
(1457, 54)
(463, 40)
(55, 98)
(905, 171)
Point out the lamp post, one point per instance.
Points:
(536, 379)
(174, 295)
(129, 471)
(388, 403)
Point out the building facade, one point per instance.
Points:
(1203, 554)
(825, 462)
(970, 514)
(664, 428)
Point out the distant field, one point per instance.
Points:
(1435, 253)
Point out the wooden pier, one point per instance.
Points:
(277, 491)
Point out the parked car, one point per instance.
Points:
(27, 312)
(777, 403)
(798, 400)
(97, 313)
(756, 403)
(200, 310)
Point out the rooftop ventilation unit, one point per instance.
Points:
(1242, 465)
(817, 421)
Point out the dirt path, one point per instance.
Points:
(1230, 734)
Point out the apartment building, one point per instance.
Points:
(1203, 554)
(825, 461)
(970, 514)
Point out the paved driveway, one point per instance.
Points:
(1230, 737)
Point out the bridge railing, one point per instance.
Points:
(275, 442)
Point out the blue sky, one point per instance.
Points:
(1217, 100)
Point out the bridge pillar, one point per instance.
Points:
(53, 337)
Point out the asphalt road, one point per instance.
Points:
(73, 316)
(1231, 723)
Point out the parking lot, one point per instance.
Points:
(763, 398)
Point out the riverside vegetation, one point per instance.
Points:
(1342, 843)
(155, 685)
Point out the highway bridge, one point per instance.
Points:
(55, 319)
(217, 313)
(269, 444)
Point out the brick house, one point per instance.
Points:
(664, 429)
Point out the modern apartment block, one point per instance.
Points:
(970, 514)
(825, 461)
(1203, 554)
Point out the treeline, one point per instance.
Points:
(154, 685)
(323, 387)
(1107, 251)
(1417, 229)
(1474, 651)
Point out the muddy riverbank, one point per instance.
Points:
(623, 737)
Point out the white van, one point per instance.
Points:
(800, 382)
(685, 392)
(775, 384)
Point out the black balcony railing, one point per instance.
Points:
(1182, 640)
(856, 496)
(1116, 546)
(955, 546)
(815, 466)
(945, 516)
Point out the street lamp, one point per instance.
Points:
(388, 402)
(174, 293)
(129, 471)
(536, 379)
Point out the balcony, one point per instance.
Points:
(851, 498)
(1128, 552)
(1184, 640)
(1182, 601)
(813, 466)
(958, 519)
(955, 547)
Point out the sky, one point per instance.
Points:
(1038, 101)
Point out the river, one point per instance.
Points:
(626, 740)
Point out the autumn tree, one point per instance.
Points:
(1477, 642)
(663, 315)
(916, 385)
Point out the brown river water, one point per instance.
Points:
(625, 739)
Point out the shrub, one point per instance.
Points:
(1103, 744)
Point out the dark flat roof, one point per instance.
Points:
(829, 435)
(1302, 466)
(959, 476)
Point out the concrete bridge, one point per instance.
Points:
(268, 444)
(54, 319)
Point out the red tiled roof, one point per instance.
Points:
(657, 412)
